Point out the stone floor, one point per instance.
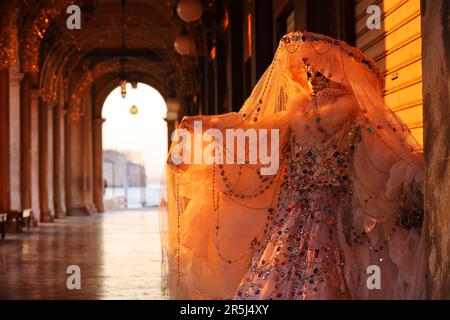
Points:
(118, 253)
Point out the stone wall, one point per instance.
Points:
(436, 88)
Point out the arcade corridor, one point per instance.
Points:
(60, 59)
(118, 254)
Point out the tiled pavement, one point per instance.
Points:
(118, 254)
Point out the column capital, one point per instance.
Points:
(34, 94)
(99, 120)
(51, 105)
(171, 116)
(15, 76)
(66, 113)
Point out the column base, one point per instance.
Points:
(77, 212)
(36, 218)
(46, 217)
(100, 208)
(92, 209)
(60, 213)
(88, 210)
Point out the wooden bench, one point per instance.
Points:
(15, 217)
(27, 217)
(3, 218)
(20, 218)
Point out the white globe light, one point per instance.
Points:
(184, 45)
(189, 10)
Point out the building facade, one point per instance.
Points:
(120, 172)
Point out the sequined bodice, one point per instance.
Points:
(300, 242)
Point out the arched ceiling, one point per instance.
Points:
(111, 66)
(66, 62)
(106, 83)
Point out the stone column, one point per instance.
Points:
(15, 78)
(171, 124)
(79, 163)
(74, 181)
(436, 92)
(173, 107)
(4, 140)
(58, 160)
(98, 163)
(45, 154)
(34, 128)
(88, 155)
(50, 161)
(10, 139)
(25, 126)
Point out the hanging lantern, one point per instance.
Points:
(184, 44)
(134, 110)
(123, 88)
(173, 106)
(189, 10)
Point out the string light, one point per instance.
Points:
(8, 37)
(35, 31)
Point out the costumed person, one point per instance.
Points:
(341, 206)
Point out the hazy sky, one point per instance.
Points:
(144, 134)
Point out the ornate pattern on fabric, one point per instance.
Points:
(347, 194)
(299, 256)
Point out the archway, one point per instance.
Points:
(134, 146)
(134, 139)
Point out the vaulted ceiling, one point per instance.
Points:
(65, 62)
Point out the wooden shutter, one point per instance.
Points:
(396, 47)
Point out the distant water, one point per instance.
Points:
(136, 195)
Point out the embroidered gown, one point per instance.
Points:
(346, 195)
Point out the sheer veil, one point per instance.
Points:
(214, 215)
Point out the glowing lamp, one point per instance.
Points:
(134, 110)
(189, 10)
(184, 45)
